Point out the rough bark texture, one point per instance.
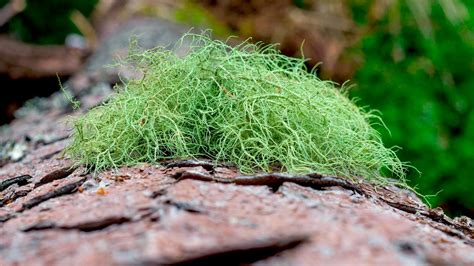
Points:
(194, 212)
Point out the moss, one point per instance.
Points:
(247, 104)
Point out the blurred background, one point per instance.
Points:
(413, 60)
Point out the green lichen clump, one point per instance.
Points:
(246, 104)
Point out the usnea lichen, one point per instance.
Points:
(246, 104)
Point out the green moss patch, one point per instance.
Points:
(247, 104)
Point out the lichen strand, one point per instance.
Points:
(246, 104)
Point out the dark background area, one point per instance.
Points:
(16, 92)
(412, 60)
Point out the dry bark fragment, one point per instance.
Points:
(56, 174)
(237, 254)
(65, 189)
(20, 180)
(273, 180)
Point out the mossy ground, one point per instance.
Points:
(246, 104)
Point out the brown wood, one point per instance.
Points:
(22, 60)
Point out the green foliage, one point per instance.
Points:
(193, 14)
(47, 21)
(423, 84)
(249, 105)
